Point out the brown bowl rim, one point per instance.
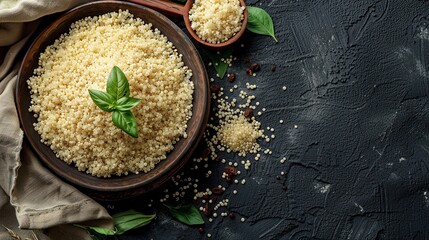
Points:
(142, 184)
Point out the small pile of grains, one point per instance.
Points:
(216, 21)
(81, 133)
(236, 131)
(240, 135)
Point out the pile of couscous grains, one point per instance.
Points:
(82, 134)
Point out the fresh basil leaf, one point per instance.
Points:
(127, 103)
(182, 1)
(117, 100)
(124, 221)
(216, 59)
(133, 224)
(131, 219)
(117, 84)
(126, 121)
(186, 214)
(103, 100)
(100, 230)
(260, 22)
(97, 236)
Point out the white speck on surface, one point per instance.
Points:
(421, 68)
(360, 207)
(295, 126)
(393, 177)
(424, 33)
(403, 52)
(258, 180)
(322, 187)
(401, 159)
(376, 150)
(426, 197)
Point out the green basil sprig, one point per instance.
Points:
(117, 100)
(124, 221)
(260, 22)
(186, 214)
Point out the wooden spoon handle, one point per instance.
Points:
(167, 7)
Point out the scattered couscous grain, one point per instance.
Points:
(216, 21)
(82, 134)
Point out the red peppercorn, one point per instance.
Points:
(231, 77)
(248, 113)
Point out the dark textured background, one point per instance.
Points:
(358, 161)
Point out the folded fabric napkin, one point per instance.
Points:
(32, 199)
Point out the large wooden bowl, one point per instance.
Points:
(131, 185)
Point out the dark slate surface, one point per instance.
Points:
(358, 164)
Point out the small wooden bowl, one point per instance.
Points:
(214, 46)
(175, 9)
(125, 186)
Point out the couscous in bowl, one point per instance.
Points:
(131, 184)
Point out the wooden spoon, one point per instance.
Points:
(175, 9)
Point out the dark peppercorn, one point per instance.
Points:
(217, 190)
(207, 209)
(273, 68)
(201, 230)
(231, 215)
(231, 77)
(214, 88)
(230, 170)
(248, 113)
(206, 152)
(255, 67)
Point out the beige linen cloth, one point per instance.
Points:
(31, 197)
